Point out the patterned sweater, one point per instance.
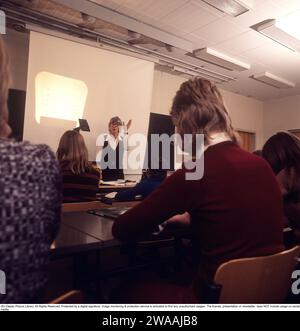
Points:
(30, 198)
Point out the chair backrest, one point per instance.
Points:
(262, 280)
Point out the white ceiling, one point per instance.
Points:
(206, 27)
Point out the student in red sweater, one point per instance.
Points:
(236, 208)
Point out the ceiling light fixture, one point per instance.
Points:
(221, 60)
(273, 80)
(285, 31)
(194, 73)
(231, 7)
(88, 18)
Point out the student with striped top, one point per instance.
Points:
(80, 178)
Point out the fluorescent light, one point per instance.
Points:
(231, 7)
(281, 31)
(273, 80)
(220, 59)
(193, 73)
(290, 24)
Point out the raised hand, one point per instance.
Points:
(128, 125)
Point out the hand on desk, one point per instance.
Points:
(183, 220)
(111, 195)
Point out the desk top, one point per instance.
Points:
(86, 206)
(81, 231)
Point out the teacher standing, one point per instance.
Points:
(113, 146)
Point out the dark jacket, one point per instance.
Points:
(143, 189)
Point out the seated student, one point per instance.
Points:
(149, 183)
(80, 178)
(236, 208)
(282, 151)
(30, 199)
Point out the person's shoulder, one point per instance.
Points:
(40, 151)
(178, 175)
(38, 159)
(93, 170)
(40, 155)
(26, 149)
(260, 161)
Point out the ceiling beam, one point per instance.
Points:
(105, 14)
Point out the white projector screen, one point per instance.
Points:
(68, 80)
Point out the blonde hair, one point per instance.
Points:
(72, 153)
(198, 108)
(4, 87)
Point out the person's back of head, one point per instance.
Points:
(198, 108)
(282, 151)
(72, 153)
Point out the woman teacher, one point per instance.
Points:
(113, 145)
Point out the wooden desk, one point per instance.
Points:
(86, 206)
(115, 188)
(83, 232)
(86, 240)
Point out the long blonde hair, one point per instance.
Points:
(198, 108)
(4, 86)
(72, 153)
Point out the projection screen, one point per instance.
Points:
(68, 80)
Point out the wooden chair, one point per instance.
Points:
(73, 297)
(263, 280)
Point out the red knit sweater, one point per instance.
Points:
(236, 208)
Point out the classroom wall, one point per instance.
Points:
(112, 85)
(281, 114)
(246, 113)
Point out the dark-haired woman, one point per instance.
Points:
(236, 208)
(282, 151)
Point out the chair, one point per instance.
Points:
(73, 297)
(263, 280)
